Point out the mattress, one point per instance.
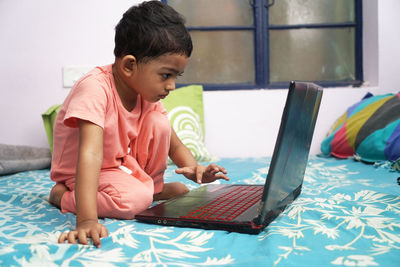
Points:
(348, 214)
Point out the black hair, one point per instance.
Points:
(150, 30)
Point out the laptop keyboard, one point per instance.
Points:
(230, 205)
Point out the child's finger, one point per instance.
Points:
(212, 169)
(82, 238)
(62, 238)
(72, 237)
(222, 176)
(215, 171)
(212, 166)
(95, 238)
(184, 170)
(199, 175)
(222, 169)
(104, 232)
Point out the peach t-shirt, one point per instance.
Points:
(94, 98)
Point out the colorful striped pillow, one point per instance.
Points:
(368, 130)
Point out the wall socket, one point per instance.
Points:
(71, 74)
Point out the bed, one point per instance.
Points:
(348, 214)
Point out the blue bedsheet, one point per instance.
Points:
(348, 214)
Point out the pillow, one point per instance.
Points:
(185, 112)
(23, 158)
(49, 117)
(369, 130)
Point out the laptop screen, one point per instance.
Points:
(292, 147)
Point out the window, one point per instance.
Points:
(249, 44)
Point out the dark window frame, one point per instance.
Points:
(261, 30)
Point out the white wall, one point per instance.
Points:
(389, 40)
(38, 38)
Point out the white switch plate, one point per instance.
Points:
(71, 74)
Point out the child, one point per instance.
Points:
(112, 136)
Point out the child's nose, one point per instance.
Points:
(171, 86)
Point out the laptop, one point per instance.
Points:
(250, 208)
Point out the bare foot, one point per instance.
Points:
(56, 194)
(171, 190)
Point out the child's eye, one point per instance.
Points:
(166, 76)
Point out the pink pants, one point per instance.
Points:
(128, 190)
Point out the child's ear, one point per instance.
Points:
(128, 64)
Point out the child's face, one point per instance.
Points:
(154, 79)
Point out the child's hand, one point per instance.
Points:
(201, 174)
(85, 229)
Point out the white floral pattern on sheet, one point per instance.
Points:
(362, 214)
(348, 214)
